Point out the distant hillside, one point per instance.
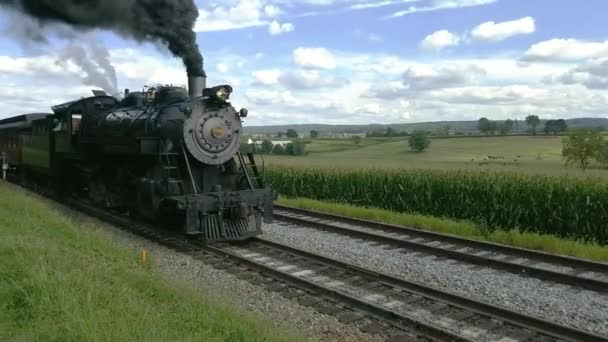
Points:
(455, 126)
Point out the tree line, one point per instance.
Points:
(295, 148)
(486, 126)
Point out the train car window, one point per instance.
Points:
(76, 119)
(59, 125)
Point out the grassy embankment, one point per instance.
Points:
(512, 237)
(63, 282)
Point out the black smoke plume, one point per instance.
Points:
(168, 21)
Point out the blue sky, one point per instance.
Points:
(351, 61)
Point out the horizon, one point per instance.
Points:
(401, 61)
(418, 122)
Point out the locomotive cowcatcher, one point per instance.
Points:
(168, 154)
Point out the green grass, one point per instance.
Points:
(512, 237)
(64, 279)
(522, 154)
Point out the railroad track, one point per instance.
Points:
(559, 269)
(352, 293)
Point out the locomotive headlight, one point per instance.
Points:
(222, 94)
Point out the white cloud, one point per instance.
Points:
(364, 88)
(486, 32)
(439, 40)
(245, 13)
(271, 97)
(493, 32)
(310, 79)
(427, 77)
(223, 68)
(592, 74)
(566, 49)
(241, 14)
(315, 58)
(267, 77)
(490, 95)
(275, 28)
(372, 108)
(272, 10)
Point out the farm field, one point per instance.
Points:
(521, 154)
(497, 183)
(66, 279)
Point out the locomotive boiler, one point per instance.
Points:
(167, 154)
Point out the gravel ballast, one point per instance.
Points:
(575, 307)
(267, 305)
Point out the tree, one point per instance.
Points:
(390, 132)
(266, 147)
(532, 121)
(291, 133)
(561, 125)
(419, 141)
(506, 127)
(602, 155)
(246, 148)
(492, 127)
(555, 126)
(549, 126)
(299, 147)
(278, 149)
(357, 139)
(289, 149)
(280, 134)
(483, 125)
(581, 146)
(314, 134)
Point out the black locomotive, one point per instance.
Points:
(168, 153)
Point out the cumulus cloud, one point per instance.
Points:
(266, 77)
(275, 28)
(223, 68)
(427, 77)
(270, 97)
(310, 79)
(439, 40)
(241, 14)
(566, 49)
(490, 95)
(491, 31)
(372, 108)
(314, 58)
(386, 90)
(245, 13)
(592, 74)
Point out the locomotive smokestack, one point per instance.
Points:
(196, 84)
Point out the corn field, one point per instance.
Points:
(565, 207)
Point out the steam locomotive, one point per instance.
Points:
(168, 153)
